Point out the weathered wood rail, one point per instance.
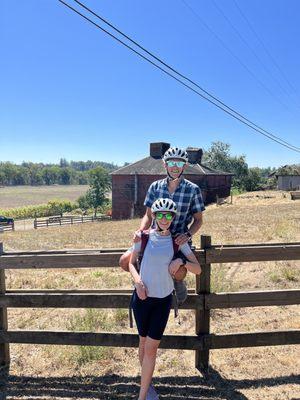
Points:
(7, 227)
(295, 195)
(200, 300)
(67, 220)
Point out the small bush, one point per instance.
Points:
(53, 207)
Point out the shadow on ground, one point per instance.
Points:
(115, 387)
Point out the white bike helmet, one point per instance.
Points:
(175, 152)
(164, 205)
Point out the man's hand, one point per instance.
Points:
(137, 236)
(181, 239)
(141, 290)
(174, 266)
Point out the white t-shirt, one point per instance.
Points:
(157, 256)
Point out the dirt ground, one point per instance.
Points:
(80, 372)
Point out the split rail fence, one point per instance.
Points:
(295, 195)
(67, 220)
(7, 227)
(200, 299)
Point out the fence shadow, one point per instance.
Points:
(115, 387)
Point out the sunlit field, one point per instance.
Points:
(248, 373)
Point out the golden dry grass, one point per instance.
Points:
(249, 373)
(20, 196)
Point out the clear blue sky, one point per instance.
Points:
(68, 90)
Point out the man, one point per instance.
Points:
(184, 193)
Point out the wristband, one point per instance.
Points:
(188, 234)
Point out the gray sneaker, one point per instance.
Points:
(181, 291)
(152, 394)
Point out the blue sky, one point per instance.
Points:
(68, 90)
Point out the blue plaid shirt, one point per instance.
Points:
(187, 197)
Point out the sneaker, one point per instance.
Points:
(181, 291)
(152, 394)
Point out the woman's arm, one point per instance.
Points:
(133, 259)
(138, 283)
(191, 265)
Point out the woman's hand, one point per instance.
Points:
(141, 290)
(174, 266)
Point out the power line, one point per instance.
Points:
(228, 110)
(266, 68)
(178, 73)
(245, 66)
(264, 46)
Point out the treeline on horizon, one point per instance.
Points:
(63, 173)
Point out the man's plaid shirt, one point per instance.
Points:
(187, 197)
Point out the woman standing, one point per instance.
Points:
(152, 297)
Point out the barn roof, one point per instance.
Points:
(286, 170)
(152, 166)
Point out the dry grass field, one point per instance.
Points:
(78, 372)
(20, 196)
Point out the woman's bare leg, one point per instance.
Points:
(148, 365)
(142, 349)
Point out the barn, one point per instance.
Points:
(288, 177)
(130, 183)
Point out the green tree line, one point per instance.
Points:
(64, 173)
(245, 179)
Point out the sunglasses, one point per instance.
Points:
(178, 164)
(169, 216)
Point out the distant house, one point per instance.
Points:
(288, 177)
(130, 183)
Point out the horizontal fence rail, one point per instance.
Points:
(67, 220)
(7, 227)
(200, 299)
(225, 254)
(295, 195)
(182, 342)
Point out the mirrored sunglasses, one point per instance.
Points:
(178, 164)
(160, 215)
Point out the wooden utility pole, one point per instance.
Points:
(203, 316)
(4, 347)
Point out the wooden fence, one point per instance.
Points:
(5, 227)
(67, 220)
(295, 195)
(201, 300)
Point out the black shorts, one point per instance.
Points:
(151, 315)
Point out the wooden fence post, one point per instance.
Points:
(4, 347)
(203, 316)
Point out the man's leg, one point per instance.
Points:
(124, 260)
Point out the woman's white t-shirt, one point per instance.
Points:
(157, 256)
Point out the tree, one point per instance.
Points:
(63, 163)
(65, 176)
(218, 157)
(252, 181)
(100, 184)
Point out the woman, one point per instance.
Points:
(152, 297)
